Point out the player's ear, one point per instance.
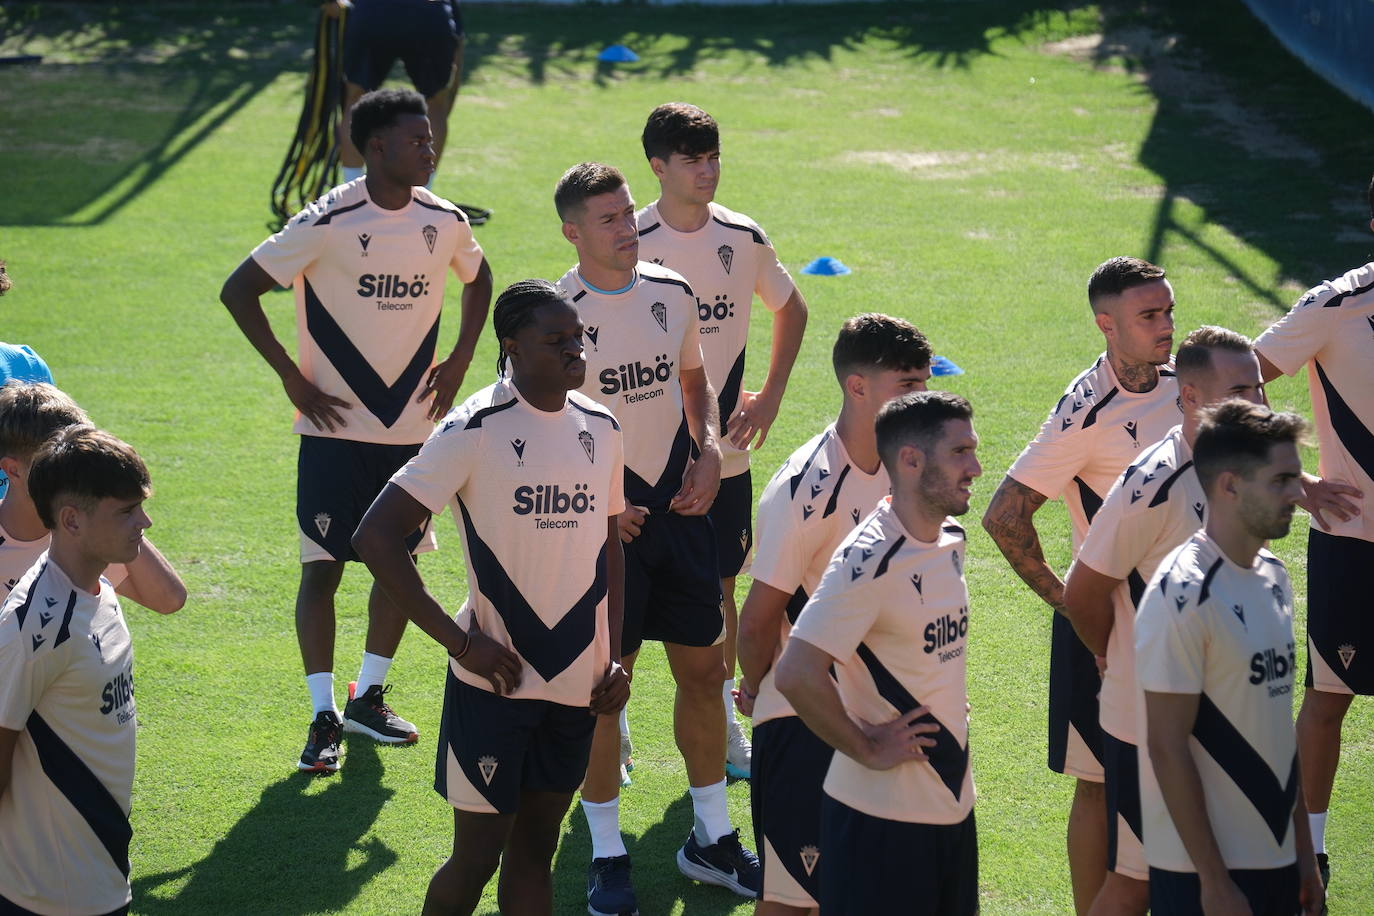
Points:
(855, 385)
(659, 167)
(12, 467)
(1104, 323)
(570, 231)
(911, 457)
(1190, 396)
(511, 347)
(69, 519)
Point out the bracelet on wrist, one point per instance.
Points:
(467, 644)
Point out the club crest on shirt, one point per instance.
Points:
(322, 521)
(519, 446)
(591, 331)
(430, 234)
(588, 445)
(363, 239)
(726, 255)
(810, 855)
(487, 766)
(660, 313)
(1347, 654)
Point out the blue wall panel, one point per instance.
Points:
(1333, 37)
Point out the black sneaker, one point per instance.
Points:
(321, 754)
(726, 862)
(1324, 869)
(370, 715)
(609, 892)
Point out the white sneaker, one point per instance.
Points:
(739, 752)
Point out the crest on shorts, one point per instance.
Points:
(430, 234)
(487, 766)
(322, 521)
(1347, 654)
(660, 314)
(588, 445)
(744, 539)
(726, 255)
(810, 855)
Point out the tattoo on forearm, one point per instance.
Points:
(1009, 520)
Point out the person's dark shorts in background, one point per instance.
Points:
(423, 34)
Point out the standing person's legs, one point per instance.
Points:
(478, 839)
(732, 518)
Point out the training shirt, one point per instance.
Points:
(637, 343)
(1331, 330)
(369, 288)
(893, 612)
(1208, 626)
(1156, 505)
(531, 492)
(812, 502)
(66, 684)
(727, 261)
(1094, 433)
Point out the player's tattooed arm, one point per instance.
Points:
(1009, 519)
(760, 624)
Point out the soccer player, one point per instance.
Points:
(728, 260)
(30, 414)
(534, 474)
(1127, 399)
(368, 262)
(890, 618)
(1155, 506)
(1225, 825)
(67, 715)
(1331, 331)
(644, 364)
(18, 361)
(816, 498)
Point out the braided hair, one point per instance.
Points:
(515, 309)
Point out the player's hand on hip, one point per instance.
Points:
(755, 416)
(631, 522)
(442, 385)
(487, 658)
(700, 484)
(1223, 898)
(611, 694)
(1320, 496)
(1311, 891)
(314, 404)
(898, 740)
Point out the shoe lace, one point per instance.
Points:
(380, 704)
(325, 735)
(614, 874)
(737, 851)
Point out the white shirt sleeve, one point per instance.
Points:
(444, 463)
(1170, 646)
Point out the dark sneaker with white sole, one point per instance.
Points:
(321, 754)
(727, 862)
(609, 891)
(370, 715)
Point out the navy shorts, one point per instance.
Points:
(424, 34)
(1121, 766)
(732, 515)
(789, 767)
(1075, 735)
(672, 583)
(336, 482)
(492, 748)
(1271, 891)
(874, 865)
(1340, 615)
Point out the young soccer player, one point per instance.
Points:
(533, 472)
(1331, 331)
(890, 618)
(644, 364)
(814, 500)
(368, 262)
(728, 260)
(1127, 399)
(67, 715)
(1225, 825)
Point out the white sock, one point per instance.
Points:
(350, 172)
(321, 687)
(373, 671)
(603, 820)
(729, 700)
(712, 819)
(1316, 820)
(625, 721)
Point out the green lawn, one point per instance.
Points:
(972, 162)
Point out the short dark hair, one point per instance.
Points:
(584, 180)
(379, 109)
(1236, 436)
(1195, 354)
(676, 127)
(1116, 275)
(30, 412)
(85, 465)
(515, 309)
(917, 418)
(876, 341)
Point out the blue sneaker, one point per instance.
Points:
(609, 892)
(726, 862)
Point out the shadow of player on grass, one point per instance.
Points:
(290, 853)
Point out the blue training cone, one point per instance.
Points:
(617, 54)
(826, 267)
(939, 365)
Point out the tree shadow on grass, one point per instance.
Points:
(294, 852)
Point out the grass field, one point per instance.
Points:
(970, 161)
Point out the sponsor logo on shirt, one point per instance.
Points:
(363, 239)
(1273, 665)
(631, 377)
(592, 331)
(943, 632)
(119, 694)
(519, 446)
(1132, 431)
(384, 287)
(552, 500)
(719, 310)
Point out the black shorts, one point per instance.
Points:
(13, 909)
(491, 748)
(732, 515)
(789, 767)
(336, 482)
(672, 583)
(1075, 735)
(1271, 891)
(424, 34)
(1340, 615)
(1121, 767)
(874, 865)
